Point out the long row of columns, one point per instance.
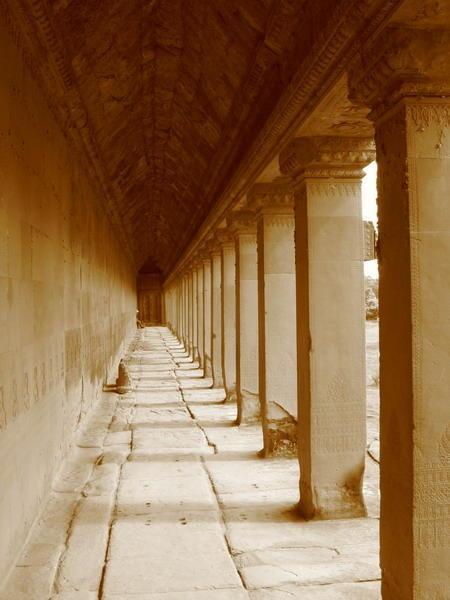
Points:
(279, 311)
(297, 341)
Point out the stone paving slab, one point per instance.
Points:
(75, 596)
(204, 395)
(229, 594)
(347, 591)
(137, 496)
(159, 470)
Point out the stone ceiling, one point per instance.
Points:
(168, 87)
(176, 104)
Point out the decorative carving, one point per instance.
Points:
(242, 221)
(326, 189)
(400, 63)
(225, 238)
(432, 498)
(325, 157)
(339, 425)
(271, 196)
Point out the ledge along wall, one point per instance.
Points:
(67, 300)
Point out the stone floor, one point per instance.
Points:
(163, 498)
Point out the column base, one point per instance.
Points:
(217, 382)
(280, 432)
(207, 368)
(249, 408)
(231, 396)
(331, 503)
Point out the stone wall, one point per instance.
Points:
(149, 291)
(67, 299)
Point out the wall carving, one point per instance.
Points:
(326, 157)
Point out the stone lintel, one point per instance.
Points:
(326, 157)
(242, 222)
(401, 63)
(271, 198)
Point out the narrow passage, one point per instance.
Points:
(164, 498)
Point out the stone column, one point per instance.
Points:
(207, 335)
(405, 80)
(274, 205)
(190, 312)
(243, 226)
(216, 314)
(185, 313)
(327, 173)
(179, 311)
(227, 244)
(194, 313)
(200, 314)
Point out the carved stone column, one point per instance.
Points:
(227, 245)
(216, 313)
(405, 79)
(186, 313)
(200, 314)
(194, 311)
(183, 309)
(190, 311)
(207, 327)
(179, 310)
(243, 226)
(274, 206)
(327, 175)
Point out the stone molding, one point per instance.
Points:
(242, 222)
(326, 157)
(327, 189)
(225, 238)
(273, 198)
(213, 245)
(203, 253)
(401, 63)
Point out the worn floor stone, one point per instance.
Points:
(165, 498)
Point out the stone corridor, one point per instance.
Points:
(165, 498)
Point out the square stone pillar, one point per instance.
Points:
(405, 79)
(207, 327)
(190, 312)
(327, 175)
(200, 314)
(274, 205)
(185, 313)
(216, 314)
(179, 311)
(228, 314)
(194, 313)
(243, 226)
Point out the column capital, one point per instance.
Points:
(401, 63)
(242, 221)
(225, 238)
(203, 253)
(276, 197)
(213, 244)
(326, 157)
(194, 264)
